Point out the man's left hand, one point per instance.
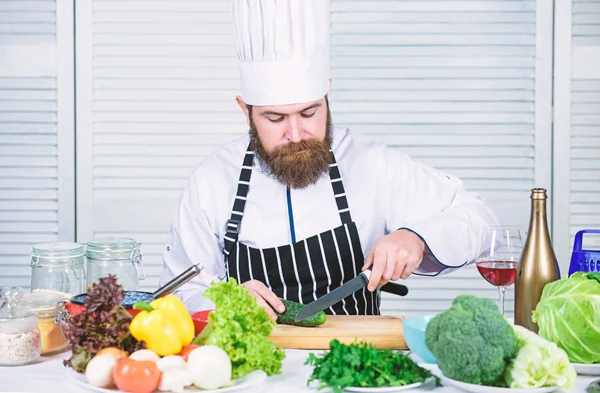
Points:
(393, 256)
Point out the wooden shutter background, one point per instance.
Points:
(36, 131)
(157, 82)
(464, 86)
(577, 129)
(585, 120)
(456, 85)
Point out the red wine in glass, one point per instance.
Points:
(498, 273)
(500, 248)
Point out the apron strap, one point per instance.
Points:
(338, 191)
(233, 224)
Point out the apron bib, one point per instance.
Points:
(308, 269)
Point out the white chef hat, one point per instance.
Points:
(283, 49)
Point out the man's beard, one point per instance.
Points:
(297, 165)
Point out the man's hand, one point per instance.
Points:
(393, 256)
(265, 297)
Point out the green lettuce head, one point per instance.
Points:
(568, 314)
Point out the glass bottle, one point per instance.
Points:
(58, 266)
(537, 266)
(115, 255)
(20, 341)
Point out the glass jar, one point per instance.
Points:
(20, 341)
(46, 306)
(58, 266)
(115, 255)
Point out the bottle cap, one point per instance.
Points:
(538, 193)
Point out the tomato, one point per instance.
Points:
(136, 376)
(115, 352)
(185, 351)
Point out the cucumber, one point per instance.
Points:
(292, 308)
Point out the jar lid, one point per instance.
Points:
(58, 250)
(111, 248)
(44, 304)
(10, 309)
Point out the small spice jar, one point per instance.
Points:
(20, 341)
(120, 256)
(46, 306)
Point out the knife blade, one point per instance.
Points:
(343, 291)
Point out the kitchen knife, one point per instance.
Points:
(343, 291)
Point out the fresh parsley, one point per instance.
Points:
(362, 365)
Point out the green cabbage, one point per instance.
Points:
(538, 363)
(568, 314)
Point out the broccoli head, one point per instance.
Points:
(471, 341)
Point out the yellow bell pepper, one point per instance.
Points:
(164, 324)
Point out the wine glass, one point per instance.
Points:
(499, 252)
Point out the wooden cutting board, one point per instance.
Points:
(383, 332)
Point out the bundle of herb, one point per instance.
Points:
(103, 323)
(362, 365)
(241, 328)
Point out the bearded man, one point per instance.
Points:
(298, 207)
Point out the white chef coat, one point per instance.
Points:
(386, 190)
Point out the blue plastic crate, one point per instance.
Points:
(584, 260)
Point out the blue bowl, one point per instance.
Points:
(414, 335)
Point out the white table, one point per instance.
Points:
(48, 375)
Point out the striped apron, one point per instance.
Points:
(305, 270)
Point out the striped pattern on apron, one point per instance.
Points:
(307, 269)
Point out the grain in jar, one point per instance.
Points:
(20, 341)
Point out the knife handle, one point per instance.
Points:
(390, 287)
(396, 289)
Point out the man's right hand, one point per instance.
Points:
(265, 297)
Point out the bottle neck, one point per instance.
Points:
(538, 222)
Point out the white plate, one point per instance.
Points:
(384, 389)
(251, 379)
(473, 388)
(587, 369)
